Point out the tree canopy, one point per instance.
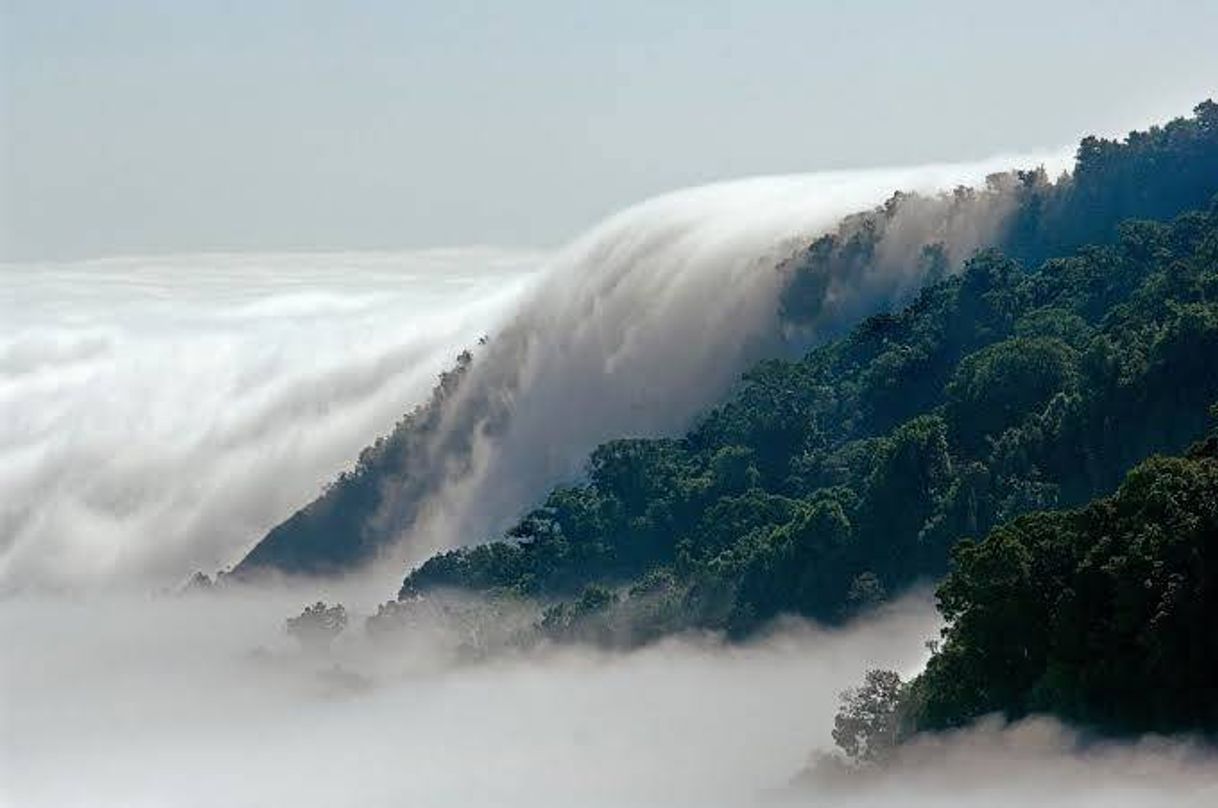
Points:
(1102, 615)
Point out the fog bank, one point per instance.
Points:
(203, 701)
(159, 414)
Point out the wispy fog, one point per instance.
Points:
(203, 701)
(1034, 762)
(157, 415)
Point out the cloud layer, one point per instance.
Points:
(202, 701)
(157, 415)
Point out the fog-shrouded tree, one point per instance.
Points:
(317, 626)
(866, 724)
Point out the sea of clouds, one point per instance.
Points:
(159, 414)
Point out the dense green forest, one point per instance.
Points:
(827, 484)
(759, 461)
(1102, 615)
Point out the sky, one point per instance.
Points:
(137, 127)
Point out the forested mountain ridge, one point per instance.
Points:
(1151, 174)
(825, 484)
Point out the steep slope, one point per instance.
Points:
(870, 262)
(635, 328)
(825, 484)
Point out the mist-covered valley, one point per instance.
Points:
(202, 700)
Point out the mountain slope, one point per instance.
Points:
(825, 484)
(1155, 173)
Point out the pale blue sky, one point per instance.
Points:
(134, 126)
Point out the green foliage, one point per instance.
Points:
(1102, 615)
(1000, 385)
(1155, 174)
(825, 485)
